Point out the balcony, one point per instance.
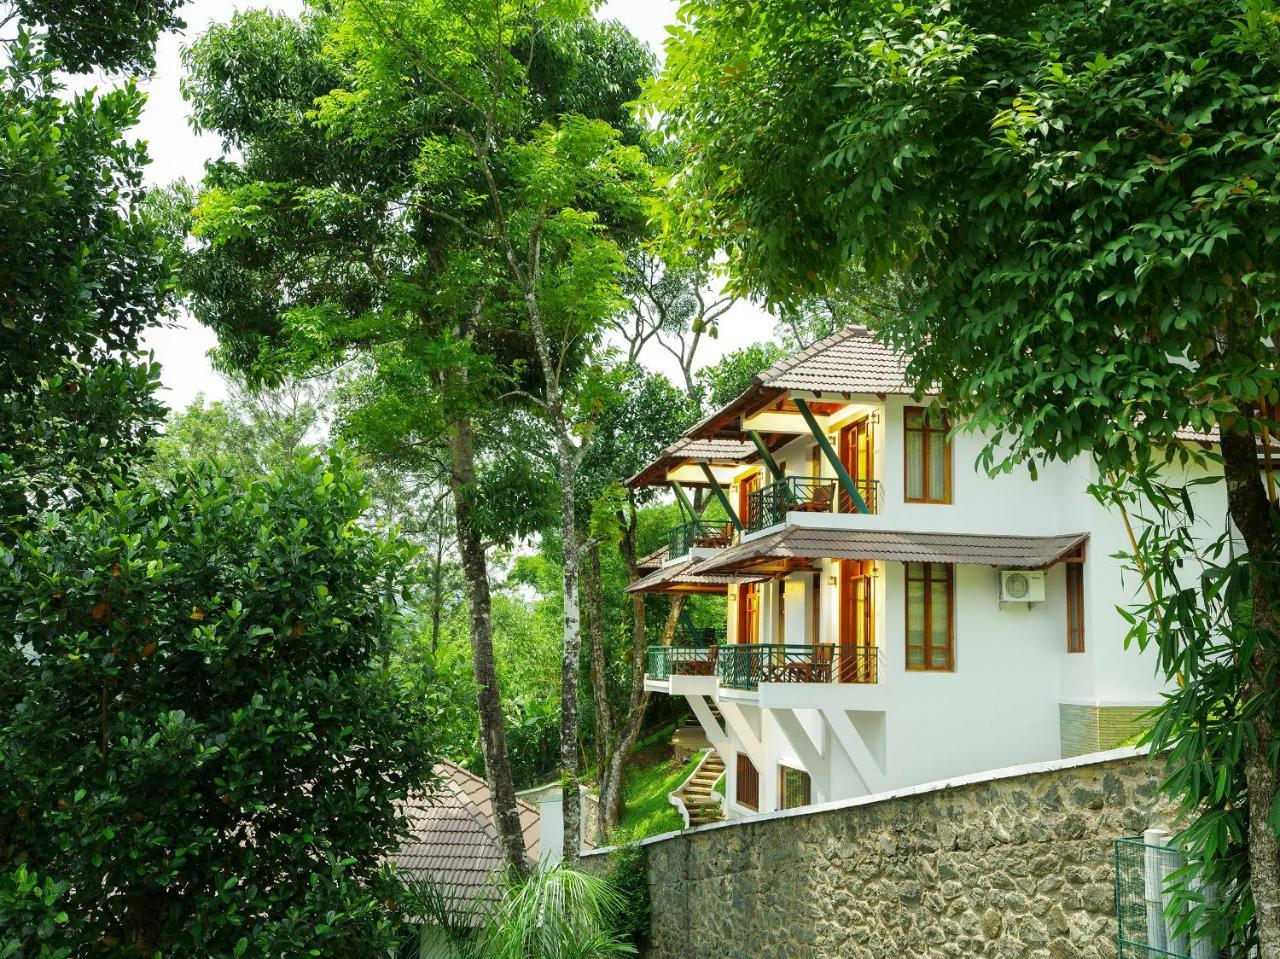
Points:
(769, 505)
(663, 662)
(746, 667)
(699, 534)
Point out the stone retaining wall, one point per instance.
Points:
(1015, 864)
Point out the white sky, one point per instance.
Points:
(177, 152)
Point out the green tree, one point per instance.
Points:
(1087, 197)
(81, 278)
(727, 378)
(427, 195)
(111, 34)
(199, 748)
(250, 434)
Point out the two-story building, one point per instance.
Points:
(896, 616)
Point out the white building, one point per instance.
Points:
(938, 623)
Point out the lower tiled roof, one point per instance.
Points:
(799, 542)
(454, 843)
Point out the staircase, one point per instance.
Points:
(696, 793)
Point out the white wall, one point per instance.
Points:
(1012, 670)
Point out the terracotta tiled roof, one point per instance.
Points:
(454, 840)
(849, 361)
(688, 448)
(655, 559)
(686, 574)
(798, 542)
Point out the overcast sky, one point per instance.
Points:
(177, 152)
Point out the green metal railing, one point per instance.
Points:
(1146, 924)
(770, 504)
(662, 662)
(869, 490)
(698, 533)
(747, 666)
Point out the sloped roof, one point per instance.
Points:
(689, 448)
(687, 574)
(455, 843)
(848, 361)
(800, 542)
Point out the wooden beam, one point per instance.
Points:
(763, 449)
(842, 474)
(724, 500)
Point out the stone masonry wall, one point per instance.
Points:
(1016, 865)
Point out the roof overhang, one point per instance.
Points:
(794, 545)
(686, 576)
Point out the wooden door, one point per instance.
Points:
(857, 453)
(745, 488)
(749, 613)
(857, 622)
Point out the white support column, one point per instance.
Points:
(752, 742)
(818, 768)
(716, 735)
(850, 740)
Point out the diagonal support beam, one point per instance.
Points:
(724, 500)
(683, 499)
(850, 740)
(846, 481)
(767, 457)
(716, 735)
(738, 723)
(806, 749)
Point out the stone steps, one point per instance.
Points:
(698, 793)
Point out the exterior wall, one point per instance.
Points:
(1088, 729)
(1011, 865)
(1015, 695)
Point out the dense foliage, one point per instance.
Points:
(81, 277)
(1086, 198)
(111, 34)
(200, 753)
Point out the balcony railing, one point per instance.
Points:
(747, 666)
(770, 504)
(698, 533)
(663, 662)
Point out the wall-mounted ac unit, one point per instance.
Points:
(1022, 586)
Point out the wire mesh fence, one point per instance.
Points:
(1150, 924)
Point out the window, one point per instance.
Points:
(795, 788)
(748, 789)
(928, 455)
(930, 616)
(1075, 602)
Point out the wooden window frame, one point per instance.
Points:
(746, 772)
(926, 465)
(1074, 576)
(928, 665)
(783, 769)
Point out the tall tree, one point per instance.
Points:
(1088, 197)
(427, 195)
(82, 275)
(641, 417)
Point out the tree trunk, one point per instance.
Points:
(1252, 515)
(493, 735)
(599, 663)
(571, 663)
(613, 771)
(437, 590)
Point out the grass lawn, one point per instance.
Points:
(646, 811)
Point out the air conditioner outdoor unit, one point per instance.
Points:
(1022, 586)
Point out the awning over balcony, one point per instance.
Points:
(687, 577)
(686, 450)
(781, 550)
